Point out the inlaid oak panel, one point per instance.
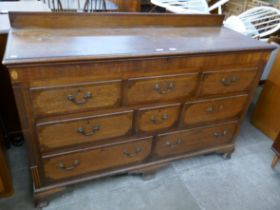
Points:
(227, 82)
(97, 159)
(161, 88)
(78, 97)
(209, 111)
(157, 118)
(192, 140)
(70, 132)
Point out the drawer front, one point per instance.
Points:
(76, 98)
(227, 82)
(214, 110)
(89, 129)
(98, 159)
(158, 118)
(162, 88)
(193, 140)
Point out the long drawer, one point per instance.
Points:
(74, 131)
(78, 97)
(79, 163)
(213, 110)
(135, 68)
(192, 140)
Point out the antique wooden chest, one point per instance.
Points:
(105, 94)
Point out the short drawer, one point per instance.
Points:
(157, 118)
(161, 88)
(69, 132)
(227, 82)
(59, 99)
(206, 111)
(94, 160)
(194, 140)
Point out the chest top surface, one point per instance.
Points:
(42, 37)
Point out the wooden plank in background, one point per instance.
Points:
(266, 116)
(128, 5)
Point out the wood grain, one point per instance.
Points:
(46, 74)
(266, 115)
(166, 34)
(227, 82)
(101, 20)
(162, 88)
(99, 159)
(157, 118)
(175, 143)
(95, 128)
(214, 110)
(50, 100)
(127, 5)
(267, 111)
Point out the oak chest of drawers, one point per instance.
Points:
(106, 94)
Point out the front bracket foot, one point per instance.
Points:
(227, 156)
(41, 199)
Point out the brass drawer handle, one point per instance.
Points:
(169, 87)
(93, 131)
(221, 134)
(214, 109)
(174, 144)
(85, 98)
(229, 80)
(132, 154)
(69, 168)
(154, 119)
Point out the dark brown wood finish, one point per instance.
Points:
(6, 187)
(104, 20)
(90, 97)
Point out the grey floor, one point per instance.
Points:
(244, 182)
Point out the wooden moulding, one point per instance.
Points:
(105, 20)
